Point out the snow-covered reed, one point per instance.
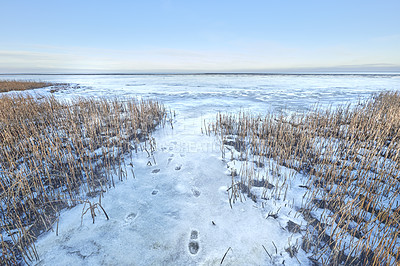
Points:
(350, 157)
(56, 154)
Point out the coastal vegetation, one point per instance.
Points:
(14, 85)
(55, 154)
(349, 159)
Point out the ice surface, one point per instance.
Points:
(209, 93)
(177, 211)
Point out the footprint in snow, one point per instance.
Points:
(155, 171)
(130, 217)
(195, 192)
(177, 168)
(170, 158)
(154, 192)
(193, 243)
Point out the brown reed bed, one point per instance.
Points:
(56, 154)
(17, 85)
(350, 157)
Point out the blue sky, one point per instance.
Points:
(199, 36)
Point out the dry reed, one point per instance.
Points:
(350, 156)
(14, 85)
(56, 154)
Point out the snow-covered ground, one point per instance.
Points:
(173, 213)
(177, 211)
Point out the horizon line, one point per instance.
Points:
(215, 73)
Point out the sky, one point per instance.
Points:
(171, 36)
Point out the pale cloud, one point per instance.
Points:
(261, 56)
(27, 61)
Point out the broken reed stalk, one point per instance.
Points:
(351, 158)
(223, 258)
(56, 154)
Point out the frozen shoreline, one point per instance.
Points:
(175, 212)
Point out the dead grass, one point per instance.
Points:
(350, 156)
(56, 154)
(15, 85)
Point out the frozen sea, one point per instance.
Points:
(199, 94)
(177, 211)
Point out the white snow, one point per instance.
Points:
(153, 215)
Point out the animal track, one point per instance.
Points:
(193, 243)
(154, 192)
(178, 167)
(156, 170)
